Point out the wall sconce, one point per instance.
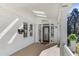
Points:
(20, 31)
(24, 30)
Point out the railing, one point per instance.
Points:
(67, 51)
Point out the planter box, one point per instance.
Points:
(73, 46)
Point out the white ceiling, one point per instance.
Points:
(51, 9)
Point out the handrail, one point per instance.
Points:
(67, 51)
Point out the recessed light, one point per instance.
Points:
(38, 12)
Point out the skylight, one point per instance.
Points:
(41, 15)
(38, 12)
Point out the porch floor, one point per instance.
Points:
(33, 50)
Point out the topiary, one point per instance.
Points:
(72, 37)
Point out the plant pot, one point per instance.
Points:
(77, 48)
(73, 46)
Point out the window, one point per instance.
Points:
(31, 30)
(52, 30)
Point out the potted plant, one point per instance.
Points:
(72, 38)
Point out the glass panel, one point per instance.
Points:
(25, 26)
(46, 33)
(52, 30)
(39, 29)
(31, 30)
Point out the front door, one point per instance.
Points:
(45, 33)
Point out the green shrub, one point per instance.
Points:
(72, 37)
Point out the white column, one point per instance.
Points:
(63, 31)
(50, 33)
(63, 27)
(36, 32)
(41, 33)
